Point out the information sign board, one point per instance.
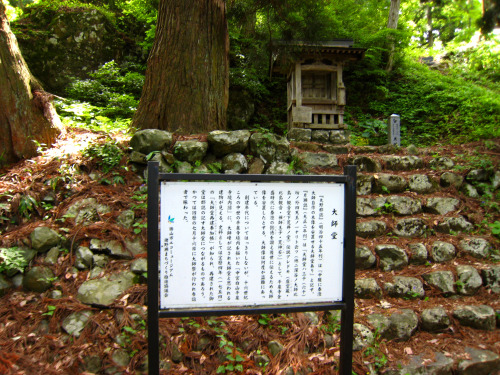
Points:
(248, 244)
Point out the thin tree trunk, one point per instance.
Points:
(187, 80)
(430, 27)
(26, 112)
(392, 23)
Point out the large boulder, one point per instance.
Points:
(190, 151)
(104, 291)
(44, 238)
(59, 43)
(150, 140)
(225, 142)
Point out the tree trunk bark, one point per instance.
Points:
(187, 79)
(26, 113)
(392, 23)
(430, 27)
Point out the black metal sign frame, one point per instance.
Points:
(346, 306)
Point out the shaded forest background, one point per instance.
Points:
(444, 82)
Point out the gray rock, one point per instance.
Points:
(476, 247)
(481, 362)
(312, 317)
(120, 358)
(468, 280)
(362, 337)
(495, 181)
(402, 326)
(478, 175)
(448, 179)
(469, 191)
(389, 183)
(422, 184)
(442, 251)
(92, 364)
(299, 135)
(138, 158)
(405, 287)
(149, 140)
(411, 227)
(279, 167)
(403, 163)
(83, 258)
(442, 280)
(454, 224)
(337, 150)
(139, 266)
(372, 228)
(442, 365)
(165, 167)
(321, 136)
(403, 205)
(234, 163)
(224, 142)
(275, 347)
(190, 151)
(367, 206)
(256, 166)
(87, 210)
(365, 149)
(480, 317)
(435, 319)
(44, 238)
(126, 219)
(367, 288)
(104, 291)
(311, 160)
(52, 256)
(38, 279)
(364, 184)
(364, 258)
(269, 147)
(55, 294)
(339, 137)
(391, 257)
(5, 284)
(380, 323)
(75, 322)
(442, 162)
(491, 278)
(365, 164)
(441, 206)
(112, 248)
(261, 360)
(418, 253)
(100, 260)
(135, 246)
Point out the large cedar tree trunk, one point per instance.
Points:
(187, 82)
(26, 113)
(392, 23)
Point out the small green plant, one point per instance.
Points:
(13, 260)
(27, 205)
(50, 310)
(138, 227)
(215, 167)
(107, 155)
(233, 356)
(264, 319)
(495, 228)
(141, 199)
(385, 190)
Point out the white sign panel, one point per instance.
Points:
(236, 244)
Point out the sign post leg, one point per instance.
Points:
(347, 313)
(153, 251)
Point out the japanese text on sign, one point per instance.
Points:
(247, 244)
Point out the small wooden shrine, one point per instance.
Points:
(316, 91)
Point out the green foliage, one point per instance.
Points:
(12, 260)
(108, 155)
(115, 89)
(27, 205)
